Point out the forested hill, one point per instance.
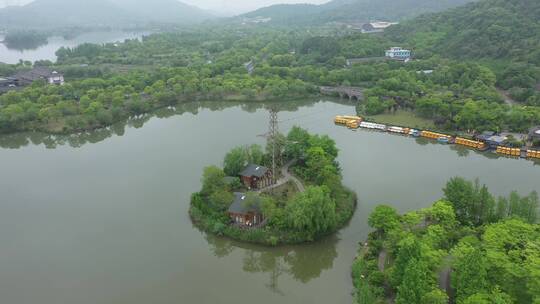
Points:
(61, 13)
(352, 10)
(502, 33)
(496, 29)
(288, 14)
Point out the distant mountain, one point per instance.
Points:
(287, 13)
(51, 13)
(171, 11)
(369, 10)
(61, 13)
(352, 10)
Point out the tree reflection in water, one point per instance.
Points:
(302, 262)
(461, 151)
(77, 140)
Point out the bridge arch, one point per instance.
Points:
(355, 93)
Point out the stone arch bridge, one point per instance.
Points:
(349, 92)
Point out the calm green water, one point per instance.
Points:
(102, 217)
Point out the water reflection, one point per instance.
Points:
(303, 263)
(460, 150)
(77, 140)
(423, 141)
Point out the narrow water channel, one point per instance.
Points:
(101, 218)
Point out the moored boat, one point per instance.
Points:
(443, 140)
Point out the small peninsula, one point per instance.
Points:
(468, 248)
(302, 200)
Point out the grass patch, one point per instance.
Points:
(403, 118)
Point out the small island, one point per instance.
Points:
(25, 40)
(302, 201)
(468, 248)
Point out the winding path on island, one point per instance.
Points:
(286, 176)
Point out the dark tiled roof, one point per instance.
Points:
(36, 73)
(239, 205)
(6, 89)
(254, 170)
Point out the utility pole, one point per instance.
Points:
(272, 138)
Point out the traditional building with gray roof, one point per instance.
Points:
(38, 73)
(256, 177)
(245, 212)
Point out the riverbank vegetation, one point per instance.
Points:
(291, 214)
(97, 102)
(503, 35)
(455, 96)
(264, 63)
(469, 247)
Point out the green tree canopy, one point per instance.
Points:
(212, 180)
(313, 211)
(416, 283)
(460, 193)
(297, 143)
(512, 253)
(235, 161)
(384, 218)
(469, 276)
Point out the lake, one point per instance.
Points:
(47, 51)
(102, 217)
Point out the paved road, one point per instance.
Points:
(444, 280)
(507, 98)
(382, 260)
(285, 172)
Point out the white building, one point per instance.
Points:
(376, 27)
(55, 78)
(398, 54)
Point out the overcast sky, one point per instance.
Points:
(228, 6)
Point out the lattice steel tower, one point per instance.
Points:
(272, 139)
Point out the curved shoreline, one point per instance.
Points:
(63, 129)
(263, 236)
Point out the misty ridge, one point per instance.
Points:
(95, 13)
(54, 14)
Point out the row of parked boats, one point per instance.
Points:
(355, 122)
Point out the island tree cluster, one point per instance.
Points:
(291, 215)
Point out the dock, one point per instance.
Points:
(355, 122)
